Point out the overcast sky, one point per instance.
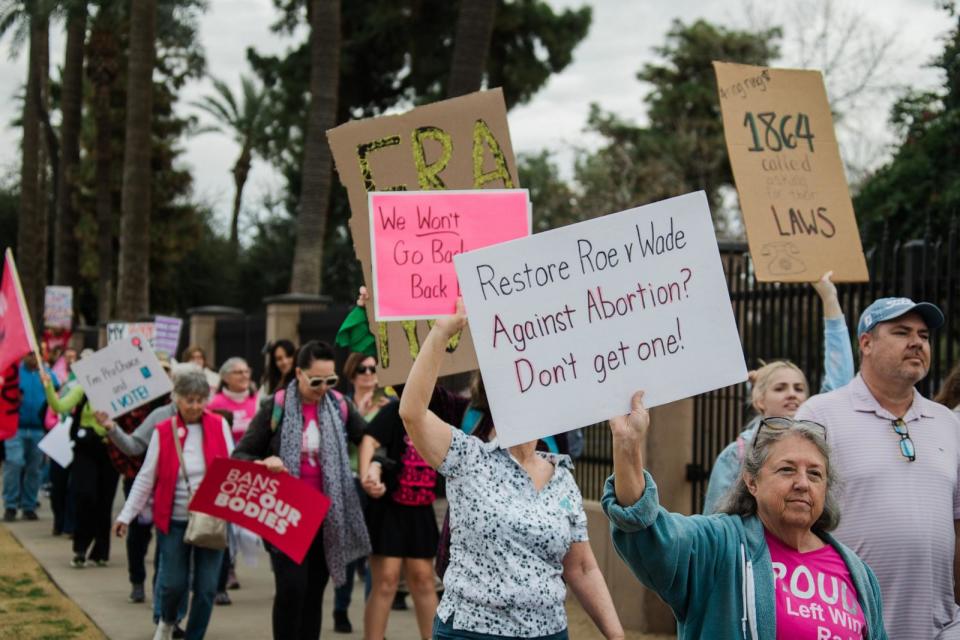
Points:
(620, 41)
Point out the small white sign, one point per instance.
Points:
(57, 443)
(122, 376)
(568, 323)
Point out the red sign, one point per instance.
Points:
(283, 510)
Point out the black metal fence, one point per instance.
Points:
(784, 321)
(243, 336)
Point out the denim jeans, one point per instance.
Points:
(343, 594)
(175, 561)
(445, 631)
(23, 457)
(158, 590)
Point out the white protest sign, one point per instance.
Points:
(121, 377)
(57, 443)
(568, 323)
(145, 331)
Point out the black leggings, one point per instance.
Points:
(298, 600)
(94, 481)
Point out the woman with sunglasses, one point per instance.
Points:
(766, 566)
(303, 430)
(361, 370)
(780, 387)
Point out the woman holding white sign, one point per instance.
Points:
(93, 481)
(518, 529)
(171, 471)
(766, 567)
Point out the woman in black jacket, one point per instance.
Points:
(303, 430)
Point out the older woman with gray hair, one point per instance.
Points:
(766, 566)
(202, 436)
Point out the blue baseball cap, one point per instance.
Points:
(885, 309)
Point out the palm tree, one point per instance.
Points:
(324, 16)
(29, 21)
(65, 260)
(103, 67)
(245, 120)
(133, 278)
(471, 44)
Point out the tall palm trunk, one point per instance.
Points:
(241, 170)
(133, 280)
(65, 258)
(102, 71)
(317, 163)
(471, 45)
(32, 226)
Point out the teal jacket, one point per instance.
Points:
(715, 572)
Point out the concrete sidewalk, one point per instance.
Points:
(102, 592)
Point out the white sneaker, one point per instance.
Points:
(164, 631)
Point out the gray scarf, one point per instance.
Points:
(345, 535)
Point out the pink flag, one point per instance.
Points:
(15, 330)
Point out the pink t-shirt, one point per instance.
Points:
(243, 412)
(310, 471)
(816, 599)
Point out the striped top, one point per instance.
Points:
(897, 515)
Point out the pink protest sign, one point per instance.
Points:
(415, 234)
(283, 510)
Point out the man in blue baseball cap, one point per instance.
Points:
(898, 455)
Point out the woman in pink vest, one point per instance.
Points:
(203, 436)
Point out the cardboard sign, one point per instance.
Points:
(166, 334)
(143, 332)
(57, 443)
(415, 234)
(568, 323)
(463, 143)
(58, 307)
(276, 506)
(786, 162)
(121, 377)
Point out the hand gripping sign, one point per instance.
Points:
(283, 510)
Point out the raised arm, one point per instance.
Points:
(582, 574)
(431, 435)
(837, 350)
(58, 404)
(629, 440)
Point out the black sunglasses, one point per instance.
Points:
(907, 449)
(365, 369)
(330, 381)
(783, 424)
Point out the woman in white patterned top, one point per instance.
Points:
(518, 529)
